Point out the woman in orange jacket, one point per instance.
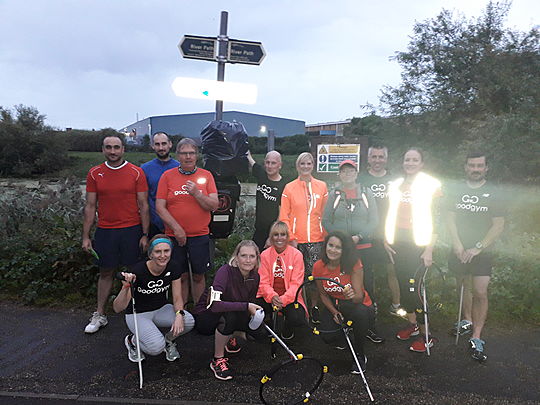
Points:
(302, 207)
(282, 272)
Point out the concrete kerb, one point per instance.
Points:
(103, 400)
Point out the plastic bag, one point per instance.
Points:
(224, 148)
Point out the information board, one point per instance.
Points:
(330, 156)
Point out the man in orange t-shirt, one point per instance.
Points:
(118, 192)
(185, 197)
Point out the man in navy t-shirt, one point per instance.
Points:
(153, 170)
(475, 217)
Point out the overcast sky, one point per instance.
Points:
(99, 63)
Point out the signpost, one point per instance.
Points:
(194, 47)
(222, 50)
(247, 52)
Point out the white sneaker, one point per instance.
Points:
(132, 350)
(171, 352)
(96, 322)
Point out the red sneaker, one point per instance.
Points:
(411, 330)
(419, 345)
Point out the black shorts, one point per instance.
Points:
(480, 265)
(196, 250)
(118, 246)
(378, 255)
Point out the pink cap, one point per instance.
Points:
(348, 162)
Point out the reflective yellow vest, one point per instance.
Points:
(423, 189)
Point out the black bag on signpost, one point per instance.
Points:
(224, 148)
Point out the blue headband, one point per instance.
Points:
(158, 241)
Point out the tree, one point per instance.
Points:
(470, 68)
(469, 83)
(29, 147)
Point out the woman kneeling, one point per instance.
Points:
(152, 279)
(226, 308)
(339, 262)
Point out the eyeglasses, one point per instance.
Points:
(187, 153)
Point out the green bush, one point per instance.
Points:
(41, 259)
(516, 278)
(28, 146)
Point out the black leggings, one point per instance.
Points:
(293, 317)
(366, 256)
(361, 316)
(407, 263)
(226, 323)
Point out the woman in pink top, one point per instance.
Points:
(282, 272)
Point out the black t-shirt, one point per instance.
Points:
(475, 208)
(379, 188)
(151, 291)
(268, 198)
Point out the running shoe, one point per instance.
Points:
(477, 349)
(132, 349)
(374, 337)
(96, 321)
(287, 333)
(315, 316)
(171, 352)
(363, 361)
(464, 328)
(420, 346)
(233, 346)
(397, 311)
(411, 330)
(221, 369)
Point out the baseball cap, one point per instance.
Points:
(348, 162)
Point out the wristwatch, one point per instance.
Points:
(180, 312)
(479, 245)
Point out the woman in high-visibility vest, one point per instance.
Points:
(410, 236)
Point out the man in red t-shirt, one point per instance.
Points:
(185, 197)
(118, 192)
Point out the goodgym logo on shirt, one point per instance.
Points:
(468, 203)
(265, 191)
(379, 190)
(182, 191)
(331, 287)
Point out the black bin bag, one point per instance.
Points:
(224, 147)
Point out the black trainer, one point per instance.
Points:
(373, 336)
(315, 316)
(221, 369)
(287, 333)
(363, 361)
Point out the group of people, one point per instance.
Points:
(365, 223)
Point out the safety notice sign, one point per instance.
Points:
(330, 156)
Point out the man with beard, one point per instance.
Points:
(153, 169)
(270, 185)
(118, 192)
(376, 178)
(475, 221)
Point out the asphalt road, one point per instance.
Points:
(46, 358)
